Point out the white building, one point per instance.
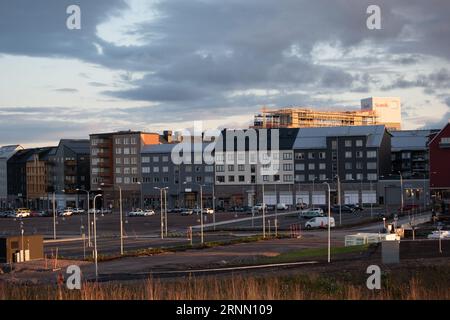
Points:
(388, 110)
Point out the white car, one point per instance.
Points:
(319, 222)
(22, 213)
(66, 213)
(137, 213)
(208, 211)
(259, 207)
(282, 206)
(78, 211)
(149, 212)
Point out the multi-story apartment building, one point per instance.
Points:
(439, 169)
(358, 155)
(183, 180)
(71, 172)
(374, 111)
(6, 153)
(115, 162)
(243, 173)
(410, 153)
(17, 178)
(39, 177)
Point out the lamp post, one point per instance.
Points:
(263, 210)
(120, 213)
(161, 201)
(95, 239)
(214, 205)
(54, 216)
(329, 221)
(339, 199)
(401, 192)
(88, 219)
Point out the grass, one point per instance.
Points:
(425, 283)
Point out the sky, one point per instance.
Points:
(162, 64)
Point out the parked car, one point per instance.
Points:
(22, 213)
(319, 222)
(208, 211)
(78, 211)
(259, 207)
(149, 212)
(67, 212)
(187, 212)
(409, 207)
(311, 213)
(355, 207)
(196, 211)
(343, 209)
(282, 206)
(136, 213)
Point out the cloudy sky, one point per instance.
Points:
(156, 64)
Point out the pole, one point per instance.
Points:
(165, 210)
(95, 239)
(401, 191)
(201, 212)
(54, 217)
(339, 199)
(121, 220)
(263, 211)
(162, 213)
(329, 222)
(88, 220)
(214, 206)
(23, 246)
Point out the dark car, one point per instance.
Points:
(355, 207)
(237, 209)
(344, 209)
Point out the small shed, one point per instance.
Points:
(21, 248)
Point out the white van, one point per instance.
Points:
(319, 222)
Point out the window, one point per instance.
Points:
(322, 177)
(188, 179)
(348, 154)
(165, 169)
(287, 177)
(276, 178)
(406, 155)
(322, 166)
(118, 180)
(300, 166)
(348, 166)
(241, 178)
(265, 178)
(371, 154)
(188, 168)
(156, 179)
(209, 179)
(334, 155)
(133, 140)
(348, 176)
(135, 180)
(165, 158)
(333, 144)
(219, 157)
(322, 155)
(241, 167)
(155, 159)
(287, 167)
(126, 170)
(372, 177)
(198, 169)
(230, 178)
(166, 179)
(371, 165)
(230, 157)
(118, 150)
(133, 160)
(220, 168)
(311, 166)
(209, 168)
(300, 156)
(118, 141)
(118, 171)
(133, 151)
(155, 169)
(359, 176)
(287, 156)
(299, 177)
(230, 167)
(221, 179)
(127, 180)
(445, 140)
(145, 169)
(311, 177)
(126, 140)
(359, 165)
(118, 161)
(359, 143)
(359, 154)
(198, 179)
(126, 150)
(145, 159)
(311, 155)
(348, 143)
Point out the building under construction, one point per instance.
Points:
(373, 111)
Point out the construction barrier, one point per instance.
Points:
(295, 230)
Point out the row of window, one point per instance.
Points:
(146, 159)
(323, 177)
(126, 151)
(188, 179)
(125, 141)
(323, 155)
(186, 169)
(127, 180)
(276, 178)
(241, 156)
(126, 161)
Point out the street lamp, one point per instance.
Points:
(88, 219)
(339, 199)
(401, 191)
(329, 221)
(161, 190)
(95, 239)
(201, 211)
(120, 213)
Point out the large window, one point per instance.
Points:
(287, 156)
(371, 154)
(287, 167)
(371, 165)
(300, 166)
(299, 156)
(287, 178)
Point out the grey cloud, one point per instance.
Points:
(67, 90)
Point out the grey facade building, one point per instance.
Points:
(410, 153)
(6, 153)
(358, 155)
(183, 180)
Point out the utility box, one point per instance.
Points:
(21, 248)
(390, 251)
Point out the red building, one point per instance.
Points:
(439, 147)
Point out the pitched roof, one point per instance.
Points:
(410, 139)
(79, 146)
(8, 151)
(316, 138)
